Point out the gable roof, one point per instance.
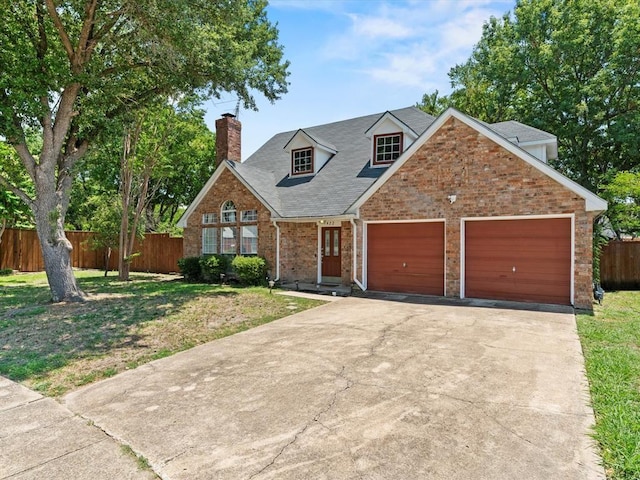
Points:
(340, 182)
(592, 201)
(347, 180)
(312, 140)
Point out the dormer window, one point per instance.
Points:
(387, 148)
(302, 161)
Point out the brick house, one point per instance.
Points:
(403, 202)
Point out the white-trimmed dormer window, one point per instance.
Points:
(228, 212)
(308, 153)
(387, 148)
(390, 137)
(302, 161)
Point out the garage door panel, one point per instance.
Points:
(406, 257)
(539, 249)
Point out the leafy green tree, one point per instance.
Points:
(70, 69)
(13, 212)
(570, 67)
(623, 195)
(433, 103)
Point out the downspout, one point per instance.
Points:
(355, 257)
(275, 224)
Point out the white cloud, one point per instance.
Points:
(379, 27)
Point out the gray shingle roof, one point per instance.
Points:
(347, 174)
(524, 133)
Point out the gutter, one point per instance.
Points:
(275, 224)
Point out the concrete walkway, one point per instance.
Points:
(363, 388)
(40, 439)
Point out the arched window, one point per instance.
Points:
(228, 212)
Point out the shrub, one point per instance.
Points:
(190, 268)
(212, 266)
(250, 270)
(6, 271)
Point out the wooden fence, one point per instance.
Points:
(620, 266)
(159, 253)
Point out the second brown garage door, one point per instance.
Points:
(521, 260)
(406, 257)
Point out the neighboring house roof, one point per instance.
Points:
(347, 179)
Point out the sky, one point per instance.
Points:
(358, 57)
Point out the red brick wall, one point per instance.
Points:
(298, 252)
(228, 187)
(488, 181)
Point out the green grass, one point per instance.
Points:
(54, 348)
(611, 344)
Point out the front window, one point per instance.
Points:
(209, 241)
(387, 148)
(249, 216)
(249, 245)
(229, 240)
(302, 161)
(228, 212)
(208, 218)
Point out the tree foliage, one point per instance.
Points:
(570, 67)
(70, 69)
(623, 195)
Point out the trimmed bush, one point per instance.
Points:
(190, 268)
(250, 270)
(6, 271)
(212, 266)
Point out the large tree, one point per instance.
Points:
(70, 67)
(570, 67)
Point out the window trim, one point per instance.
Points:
(242, 237)
(250, 220)
(374, 158)
(234, 229)
(312, 165)
(215, 244)
(224, 210)
(210, 218)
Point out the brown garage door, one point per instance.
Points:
(521, 260)
(406, 257)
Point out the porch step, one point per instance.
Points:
(320, 288)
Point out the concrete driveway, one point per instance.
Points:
(363, 388)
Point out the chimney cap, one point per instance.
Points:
(228, 115)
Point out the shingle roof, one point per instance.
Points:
(523, 133)
(341, 180)
(347, 174)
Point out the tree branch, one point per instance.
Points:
(84, 49)
(64, 38)
(21, 194)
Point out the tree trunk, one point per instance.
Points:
(56, 252)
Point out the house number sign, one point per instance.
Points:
(329, 223)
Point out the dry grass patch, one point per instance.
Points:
(54, 348)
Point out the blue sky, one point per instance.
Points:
(357, 57)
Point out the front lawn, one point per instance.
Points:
(54, 348)
(611, 344)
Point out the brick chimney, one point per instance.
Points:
(228, 139)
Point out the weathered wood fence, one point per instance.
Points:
(620, 265)
(159, 253)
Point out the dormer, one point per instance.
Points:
(542, 145)
(308, 153)
(389, 136)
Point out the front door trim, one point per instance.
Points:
(319, 254)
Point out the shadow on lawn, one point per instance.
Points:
(37, 337)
